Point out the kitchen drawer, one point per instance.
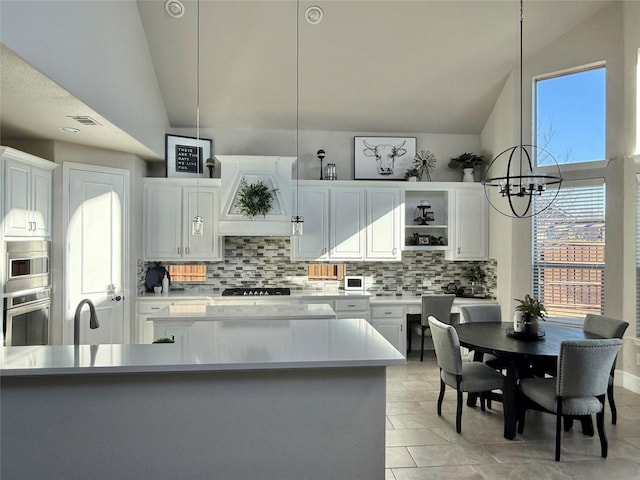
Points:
(352, 305)
(387, 312)
(152, 307)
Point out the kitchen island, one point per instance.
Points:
(245, 399)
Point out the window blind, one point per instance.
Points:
(568, 250)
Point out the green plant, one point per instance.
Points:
(412, 172)
(474, 274)
(164, 340)
(254, 198)
(532, 306)
(210, 161)
(466, 160)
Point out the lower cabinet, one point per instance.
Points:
(144, 308)
(349, 307)
(390, 321)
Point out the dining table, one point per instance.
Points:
(522, 356)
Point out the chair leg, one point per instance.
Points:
(612, 404)
(422, 344)
(483, 398)
(558, 426)
(489, 400)
(604, 446)
(408, 340)
(441, 396)
(459, 406)
(568, 423)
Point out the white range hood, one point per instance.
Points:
(275, 173)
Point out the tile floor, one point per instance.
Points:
(421, 445)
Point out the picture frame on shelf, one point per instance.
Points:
(383, 158)
(184, 156)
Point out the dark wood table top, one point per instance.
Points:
(492, 338)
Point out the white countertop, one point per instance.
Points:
(295, 295)
(242, 311)
(418, 300)
(217, 346)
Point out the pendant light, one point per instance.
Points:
(297, 221)
(197, 224)
(521, 182)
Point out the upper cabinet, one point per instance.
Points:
(26, 194)
(470, 232)
(334, 223)
(169, 207)
(343, 222)
(384, 224)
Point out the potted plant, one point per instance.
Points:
(528, 313)
(210, 163)
(467, 162)
(476, 276)
(412, 175)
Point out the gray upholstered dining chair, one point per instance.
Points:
(578, 390)
(438, 306)
(483, 313)
(473, 377)
(607, 327)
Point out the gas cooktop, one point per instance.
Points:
(260, 291)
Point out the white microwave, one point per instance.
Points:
(352, 282)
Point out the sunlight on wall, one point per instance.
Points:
(638, 104)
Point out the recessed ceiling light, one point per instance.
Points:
(174, 8)
(69, 129)
(314, 15)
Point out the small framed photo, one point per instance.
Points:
(185, 155)
(383, 158)
(423, 240)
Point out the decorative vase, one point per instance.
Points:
(529, 324)
(468, 175)
(412, 179)
(517, 322)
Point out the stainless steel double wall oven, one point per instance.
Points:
(27, 293)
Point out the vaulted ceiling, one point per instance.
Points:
(370, 66)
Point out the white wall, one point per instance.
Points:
(120, 82)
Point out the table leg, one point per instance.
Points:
(509, 401)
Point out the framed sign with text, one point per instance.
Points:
(185, 156)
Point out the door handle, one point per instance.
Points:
(117, 298)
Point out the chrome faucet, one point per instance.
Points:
(93, 319)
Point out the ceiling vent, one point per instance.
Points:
(84, 120)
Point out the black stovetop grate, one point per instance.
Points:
(255, 291)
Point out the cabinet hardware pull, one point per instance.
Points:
(187, 250)
(178, 250)
(387, 313)
(394, 251)
(458, 249)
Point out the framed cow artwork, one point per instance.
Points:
(383, 158)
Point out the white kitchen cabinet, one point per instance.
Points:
(469, 239)
(169, 207)
(144, 329)
(334, 224)
(27, 194)
(345, 306)
(390, 321)
(383, 224)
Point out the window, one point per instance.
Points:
(570, 111)
(568, 251)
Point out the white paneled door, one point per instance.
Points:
(95, 257)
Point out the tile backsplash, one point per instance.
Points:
(265, 262)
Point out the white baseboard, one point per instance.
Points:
(627, 380)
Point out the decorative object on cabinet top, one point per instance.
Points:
(184, 155)
(424, 163)
(254, 198)
(383, 158)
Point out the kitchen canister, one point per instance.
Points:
(331, 172)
